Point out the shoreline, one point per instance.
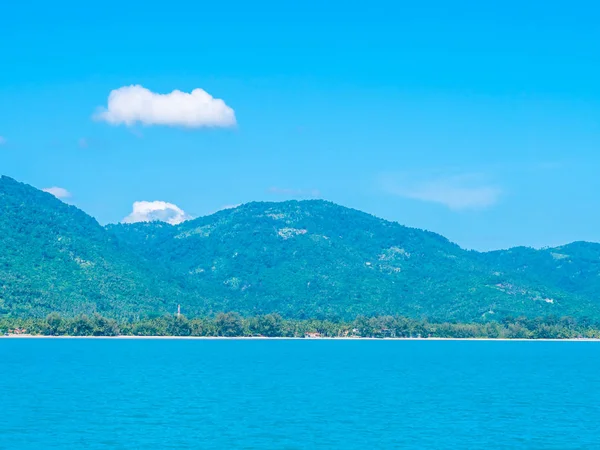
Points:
(261, 338)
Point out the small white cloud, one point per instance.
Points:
(156, 211)
(2, 140)
(132, 104)
(550, 165)
(224, 207)
(58, 192)
(228, 207)
(458, 192)
(455, 197)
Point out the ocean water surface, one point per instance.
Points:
(298, 394)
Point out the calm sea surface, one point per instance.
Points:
(307, 394)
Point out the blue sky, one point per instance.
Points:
(478, 121)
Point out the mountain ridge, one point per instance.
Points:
(299, 258)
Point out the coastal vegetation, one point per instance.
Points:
(273, 325)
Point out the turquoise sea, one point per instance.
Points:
(298, 394)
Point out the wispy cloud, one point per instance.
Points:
(58, 192)
(456, 192)
(288, 192)
(229, 207)
(129, 105)
(224, 207)
(550, 165)
(144, 211)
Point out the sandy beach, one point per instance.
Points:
(261, 338)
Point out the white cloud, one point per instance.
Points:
(224, 207)
(132, 104)
(457, 192)
(2, 140)
(229, 207)
(58, 192)
(156, 211)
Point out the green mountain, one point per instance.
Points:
(301, 259)
(571, 269)
(54, 257)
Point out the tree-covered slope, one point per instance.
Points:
(54, 257)
(309, 259)
(314, 258)
(572, 268)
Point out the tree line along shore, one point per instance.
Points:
(273, 325)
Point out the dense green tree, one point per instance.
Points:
(229, 324)
(179, 326)
(103, 326)
(203, 327)
(82, 325)
(270, 325)
(55, 324)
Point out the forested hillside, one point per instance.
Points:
(308, 259)
(314, 258)
(54, 257)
